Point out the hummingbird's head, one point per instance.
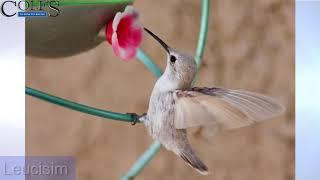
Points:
(179, 64)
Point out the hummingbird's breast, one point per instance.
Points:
(161, 111)
(161, 107)
(160, 123)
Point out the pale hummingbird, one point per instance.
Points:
(175, 106)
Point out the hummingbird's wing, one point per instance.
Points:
(222, 108)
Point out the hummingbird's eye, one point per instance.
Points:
(173, 59)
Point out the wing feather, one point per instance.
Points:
(226, 109)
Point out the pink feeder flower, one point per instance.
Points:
(124, 33)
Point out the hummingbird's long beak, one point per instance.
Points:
(163, 44)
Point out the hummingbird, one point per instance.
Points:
(175, 106)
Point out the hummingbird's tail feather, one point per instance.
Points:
(192, 160)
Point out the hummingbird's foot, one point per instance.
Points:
(135, 118)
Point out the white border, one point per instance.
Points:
(12, 79)
(307, 90)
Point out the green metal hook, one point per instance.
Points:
(129, 117)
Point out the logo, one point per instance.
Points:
(26, 8)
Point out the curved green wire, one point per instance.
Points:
(147, 61)
(143, 160)
(147, 156)
(203, 33)
(129, 117)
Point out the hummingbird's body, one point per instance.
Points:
(175, 106)
(161, 113)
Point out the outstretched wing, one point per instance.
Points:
(222, 108)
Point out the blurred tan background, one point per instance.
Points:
(250, 46)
